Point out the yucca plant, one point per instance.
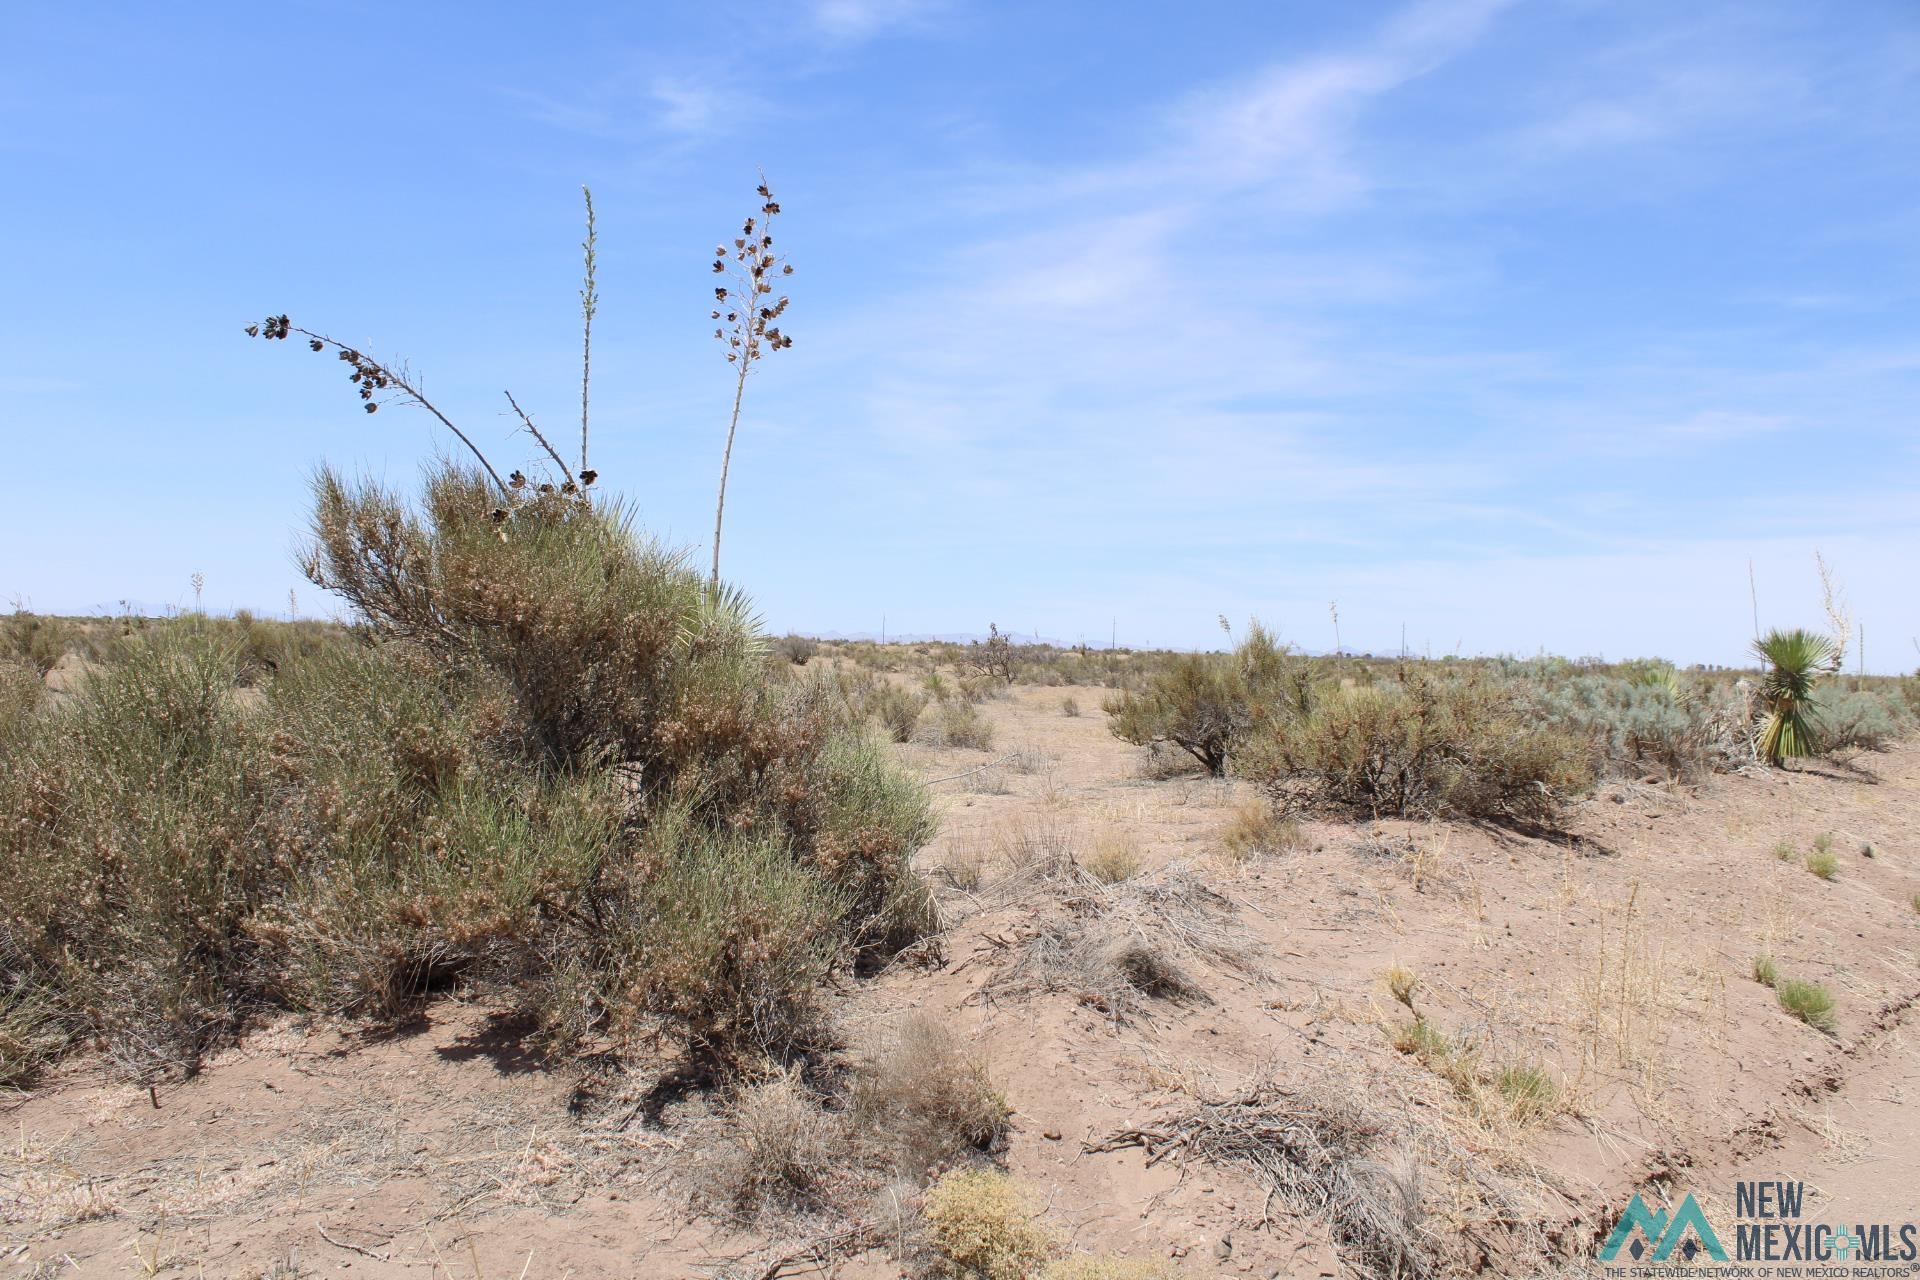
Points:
(1795, 660)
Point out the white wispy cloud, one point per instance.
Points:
(855, 20)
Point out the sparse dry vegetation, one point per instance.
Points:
(553, 767)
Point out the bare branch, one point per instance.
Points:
(535, 433)
(386, 375)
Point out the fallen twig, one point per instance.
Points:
(343, 1244)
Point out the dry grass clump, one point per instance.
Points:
(1087, 1266)
(30, 1035)
(21, 696)
(781, 1152)
(1040, 849)
(1324, 1153)
(1257, 827)
(1516, 1092)
(1115, 856)
(1133, 940)
(925, 1097)
(822, 1151)
(982, 1225)
(1529, 1093)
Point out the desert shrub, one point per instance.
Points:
(1808, 1001)
(985, 1227)
(21, 693)
(723, 941)
(977, 689)
(1862, 719)
(1425, 744)
(37, 640)
(960, 724)
(1203, 703)
(799, 650)
(1765, 971)
(608, 645)
(898, 709)
(552, 759)
(1257, 827)
(267, 644)
(994, 657)
(1823, 864)
(132, 842)
(1643, 717)
(925, 1097)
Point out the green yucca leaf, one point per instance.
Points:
(1795, 660)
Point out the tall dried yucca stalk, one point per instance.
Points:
(1839, 617)
(749, 317)
(380, 382)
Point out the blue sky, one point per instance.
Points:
(1520, 325)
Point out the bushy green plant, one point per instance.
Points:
(133, 843)
(799, 650)
(1203, 703)
(897, 708)
(960, 724)
(1640, 717)
(555, 758)
(1427, 743)
(1863, 719)
(36, 640)
(1808, 1001)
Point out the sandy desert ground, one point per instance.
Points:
(1613, 961)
